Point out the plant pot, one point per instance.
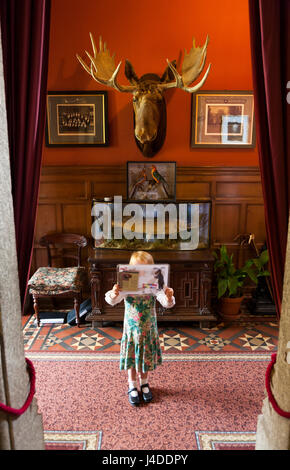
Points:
(229, 308)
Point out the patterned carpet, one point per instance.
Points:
(207, 393)
(86, 440)
(201, 401)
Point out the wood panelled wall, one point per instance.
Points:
(66, 192)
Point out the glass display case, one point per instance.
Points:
(130, 225)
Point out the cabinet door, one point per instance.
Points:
(186, 288)
(191, 289)
(109, 278)
(178, 283)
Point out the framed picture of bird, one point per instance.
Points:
(147, 181)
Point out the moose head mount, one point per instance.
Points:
(148, 100)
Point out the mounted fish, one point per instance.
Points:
(148, 101)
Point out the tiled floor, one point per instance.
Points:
(245, 336)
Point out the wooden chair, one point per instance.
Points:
(59, 281)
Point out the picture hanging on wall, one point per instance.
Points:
(151, 181)
(223, 119)
(76, 118)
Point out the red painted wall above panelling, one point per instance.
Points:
(147, 33)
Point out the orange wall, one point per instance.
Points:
(147, 32)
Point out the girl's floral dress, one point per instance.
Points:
(140, 346)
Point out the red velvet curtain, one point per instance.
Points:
(25, 28)
(270, 47)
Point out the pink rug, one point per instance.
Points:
(200, 402)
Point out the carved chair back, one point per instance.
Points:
(63, 246)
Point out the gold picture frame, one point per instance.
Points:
(76, 118)
(223, 119)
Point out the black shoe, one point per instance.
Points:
(133, 400)
(146, 396)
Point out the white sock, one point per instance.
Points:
(143, 382)
(133, 384)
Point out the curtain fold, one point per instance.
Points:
(270, 50)
(25, 27)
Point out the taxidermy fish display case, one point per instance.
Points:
(130, 225)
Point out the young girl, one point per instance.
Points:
(140, 347)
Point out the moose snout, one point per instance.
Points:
(145, 135)
(147, 117)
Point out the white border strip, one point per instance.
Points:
(198, 357)
(206, 440)
(90, 440)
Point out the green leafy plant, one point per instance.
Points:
(231, 279)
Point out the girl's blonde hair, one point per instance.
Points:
(142, 257)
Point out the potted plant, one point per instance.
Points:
(230, 280)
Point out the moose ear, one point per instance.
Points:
(130, 73)
(168, 74)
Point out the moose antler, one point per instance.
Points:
(104, 71)
(192, 66)
(103, 68)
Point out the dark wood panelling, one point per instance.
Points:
(226, 224)
(48, 217)
(107, 188)
(255, 218)
(63, 190)
(193, 190)
(74, 218)
(238, 190)
(236, 194)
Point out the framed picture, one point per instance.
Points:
(223, 119)
(142, 279)
(154, 181)
(76, 118)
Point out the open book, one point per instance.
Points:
(142, 278)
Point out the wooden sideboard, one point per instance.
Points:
(190, 277)
(66, 193)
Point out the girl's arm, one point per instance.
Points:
(166, 301)
(114, 296)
